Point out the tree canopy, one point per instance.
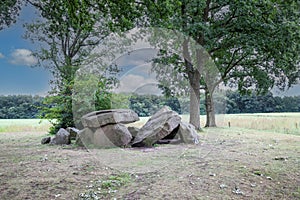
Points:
(254, 44)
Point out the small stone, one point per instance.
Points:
(281, 158)
(269, 178)
(46, 140)
(237, 191)
(253, 185)
(61, 137)
(222, 186)
(212, 174)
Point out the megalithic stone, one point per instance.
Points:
(104, 117)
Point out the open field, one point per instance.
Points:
(23, 125)
(286, 123)
(229, 163)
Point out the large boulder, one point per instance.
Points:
(61, 137)
(104, 117)
(85, 137)
(188, 133)
(159, 126)
(133, 130)
(107, 136)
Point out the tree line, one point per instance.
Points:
(28, 107)
(20, 106)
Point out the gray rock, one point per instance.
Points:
(85, 137)
(188, 133)
(73, 132)
(61, 137)
(159, 126)
(133, 130)
(112, 135)
(104, 117)
(104, 137)
(46, 140)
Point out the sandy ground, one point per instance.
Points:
(227, 164)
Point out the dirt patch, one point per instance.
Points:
(227, 164)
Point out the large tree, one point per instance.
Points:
(67, 31)
(254, 44)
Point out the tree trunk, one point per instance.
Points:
(194, 80)
(195, 100)
(210, 110)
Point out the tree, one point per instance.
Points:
(67, 32)
(250, 41)
(9, 10)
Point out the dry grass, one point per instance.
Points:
(21, 125)
(287, 123)
(229, 163)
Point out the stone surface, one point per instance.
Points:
(112, 135)
(73, 132)
(46, 140)
(104, 137)
(84, 137)
(159, 126)
(61, 137)
(188, 133)
(104, 117)
(133, 130)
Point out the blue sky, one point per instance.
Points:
(18, 77)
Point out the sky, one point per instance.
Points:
(17, 76)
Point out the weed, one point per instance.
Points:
(106, 187)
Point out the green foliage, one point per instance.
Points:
(9, 10)
(120, 101)
(251, 42)
(67, 33)
(103, 97)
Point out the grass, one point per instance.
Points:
(24, 125)
(286, 123)
(99, 189)
(241, 160)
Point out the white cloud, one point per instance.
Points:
(131, 83)
(22, 57)
(1, 55)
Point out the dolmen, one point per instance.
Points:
(111, 128)
(106, 128)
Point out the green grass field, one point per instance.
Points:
(286, 123)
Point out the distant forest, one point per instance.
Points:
(28, 107)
